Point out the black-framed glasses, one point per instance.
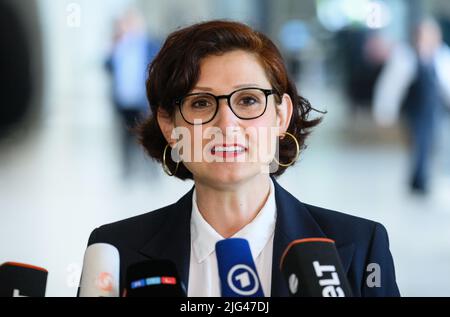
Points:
(246, 103)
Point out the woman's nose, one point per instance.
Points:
(225, 116)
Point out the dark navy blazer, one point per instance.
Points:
(165, 234)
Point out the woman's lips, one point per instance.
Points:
(228, 150)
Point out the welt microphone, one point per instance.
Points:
(312, 269)
(22, 280)
(101, 271)
(154, 278)
(237, 271)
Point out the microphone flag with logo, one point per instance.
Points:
(237, 270)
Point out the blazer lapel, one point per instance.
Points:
(173, 241)
(294, 221)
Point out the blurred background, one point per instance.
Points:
(71, 82)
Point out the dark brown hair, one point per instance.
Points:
(175, 71)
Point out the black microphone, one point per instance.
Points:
(312, 268)
(154, 278)
(22, 280)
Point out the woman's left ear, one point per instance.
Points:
(284, 113)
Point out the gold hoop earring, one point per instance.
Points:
(296, 156)
(165, 167)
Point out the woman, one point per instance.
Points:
(224, 88)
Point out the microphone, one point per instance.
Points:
(154, 278)
(22, 280)
(101, 271)
(237, 271)
(312, 268)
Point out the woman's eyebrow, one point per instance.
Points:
(235, 87)
(246, 85)
(203, 88)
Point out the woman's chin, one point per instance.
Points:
(231, 173)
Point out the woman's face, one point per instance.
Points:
(203, 151)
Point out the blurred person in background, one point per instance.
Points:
(16, 76)
(130, 56)
(416, 82)
(363, 53)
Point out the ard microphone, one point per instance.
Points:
(154, 278)
(237, 271)
(22, 280)
(101, 271)
(312, 269)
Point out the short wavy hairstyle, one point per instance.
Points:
(175, 71)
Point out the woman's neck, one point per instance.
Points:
(228, 210)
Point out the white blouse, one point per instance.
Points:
(203, 270)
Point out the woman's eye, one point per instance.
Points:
(201, 104)
(248, 101)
